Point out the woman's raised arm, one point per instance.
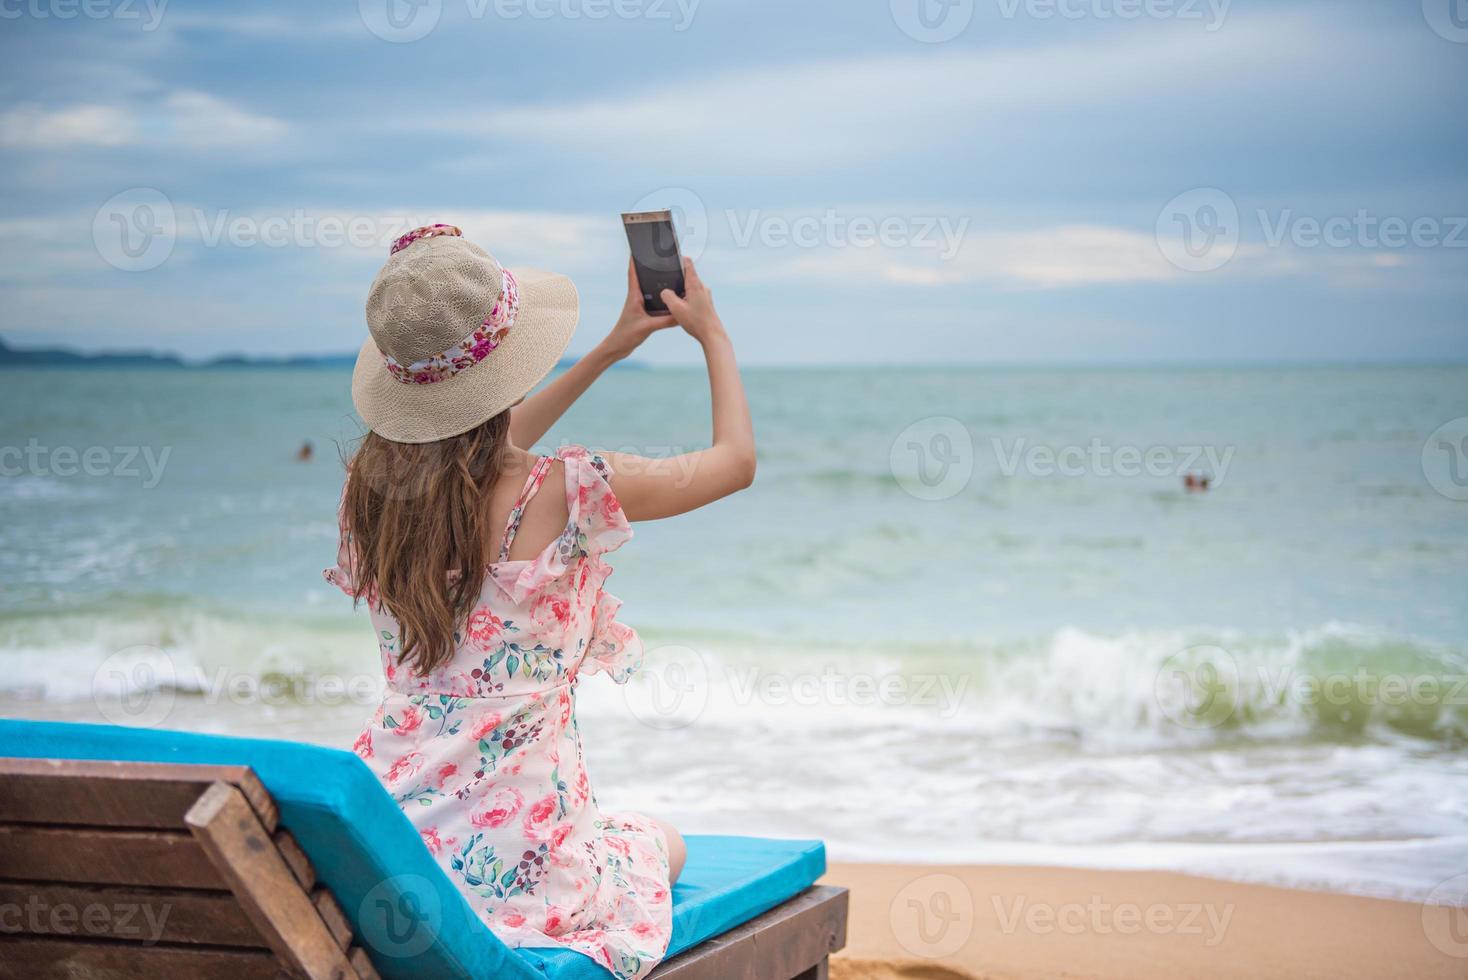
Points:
(532, 418)
(650, 488)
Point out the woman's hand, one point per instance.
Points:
(634, 324)
(694, 311)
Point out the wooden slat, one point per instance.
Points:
(157, 858)
(129, 914)
(363, 965)
(785, 942)
(58, 959)
(117, 794)
(331, 913)
(267, 889)
(296, 859)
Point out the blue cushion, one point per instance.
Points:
(727, 881)
(409, 916)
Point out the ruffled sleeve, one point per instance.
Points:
(612, 648)
(594, 508)
(595, 525)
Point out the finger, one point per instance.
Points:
(632, 289)
(677, 306)
(690, 274)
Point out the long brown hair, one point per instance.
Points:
(418, 527)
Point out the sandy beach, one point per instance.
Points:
(1018, 923)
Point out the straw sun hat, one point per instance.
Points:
(456, 338)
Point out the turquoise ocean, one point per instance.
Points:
(966, 614)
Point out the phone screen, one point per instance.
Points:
(655, 256)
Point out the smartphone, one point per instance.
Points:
(655, 256)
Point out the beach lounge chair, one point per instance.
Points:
(130, 853)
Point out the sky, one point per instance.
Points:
(860, 181)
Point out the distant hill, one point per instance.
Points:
(241, 361)
(10, 356)
(65, 357)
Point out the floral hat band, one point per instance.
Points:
(418, 234)
(472, 349)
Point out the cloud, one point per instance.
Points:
(82, 125)
(201, 121)
(1050, 258)
(842, 112)
(187, 119)
(268, 26)
(1046, 258)
(52, 247)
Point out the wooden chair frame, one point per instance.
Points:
(132, 871)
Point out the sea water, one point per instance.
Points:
(967, 614)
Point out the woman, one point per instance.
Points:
(486, 594)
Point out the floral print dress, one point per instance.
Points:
(484, 755)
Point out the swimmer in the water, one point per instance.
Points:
(1194, 483)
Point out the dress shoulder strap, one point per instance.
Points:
(532, 484)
